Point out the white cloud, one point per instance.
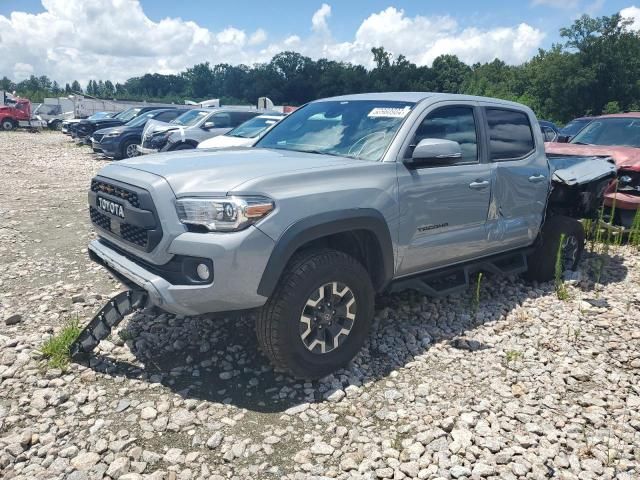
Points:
(319, 20)
(632, 13)
(100, 39)
(566, 4)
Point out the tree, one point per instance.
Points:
(75, 87)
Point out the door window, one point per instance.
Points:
(510, 134)
(451, 123)
(221, 120)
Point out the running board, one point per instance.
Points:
(455, 279)
(108, 317)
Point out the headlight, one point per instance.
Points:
(111, 134)
(226, 214)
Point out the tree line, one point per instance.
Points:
(595, 69)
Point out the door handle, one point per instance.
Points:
(479, 184)
(536, 178)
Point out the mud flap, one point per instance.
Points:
(108, 317)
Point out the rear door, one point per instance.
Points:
(520, 177)
(443, 208)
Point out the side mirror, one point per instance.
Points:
(208, 125)
(434, 152)
(563, 139)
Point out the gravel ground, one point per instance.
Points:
(526, 386)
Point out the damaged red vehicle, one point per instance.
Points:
(616, 136)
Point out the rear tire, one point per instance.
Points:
(56, 125)
(542, 262)
(319, 315)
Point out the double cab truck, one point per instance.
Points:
(346, 198)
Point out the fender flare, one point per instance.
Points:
(322, 225)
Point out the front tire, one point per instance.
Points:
(319, 315)
(8, 125)
(129, 150)
(542, 262)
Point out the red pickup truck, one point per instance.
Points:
(616, 136)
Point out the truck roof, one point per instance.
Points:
(417, 97)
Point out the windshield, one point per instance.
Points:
(190, 118)
(252, 128)
(574, 126)
(99, 115)
(620, 131)
(141, 120)
(128, 114)
(358, 129)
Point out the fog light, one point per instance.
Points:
(203, 271)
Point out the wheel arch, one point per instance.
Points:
(362, 233)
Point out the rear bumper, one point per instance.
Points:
(239, 260)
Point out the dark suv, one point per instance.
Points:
(86, 127)
(122, 141)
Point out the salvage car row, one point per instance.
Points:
(143, 130)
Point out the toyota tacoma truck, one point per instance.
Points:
(346, 198)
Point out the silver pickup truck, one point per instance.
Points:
(346, 198)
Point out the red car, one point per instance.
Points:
(616, 136)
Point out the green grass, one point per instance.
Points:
(561, 289)
(512, 356)
(475, 302)
(56, 349)
(634, 234)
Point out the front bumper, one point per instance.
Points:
(239, 260)
(625, 206)
(95, 145)
(146, 151)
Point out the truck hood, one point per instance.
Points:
(625, 157)
(206, 172)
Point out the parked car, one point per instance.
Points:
(616, 136)
(195, 126)
(123, 141)
(344, 198)
(244, 135)
(549, 130)
(68, 125)
(573, 127)
(85, 128)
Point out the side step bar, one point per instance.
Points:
(108, 317)
(455, 279)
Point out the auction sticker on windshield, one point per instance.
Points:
(388, 112)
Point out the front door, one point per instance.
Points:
(443, 208)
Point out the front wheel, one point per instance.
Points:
(562, 240)
(8, 125)
(318, 317)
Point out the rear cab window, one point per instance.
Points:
(510, 134)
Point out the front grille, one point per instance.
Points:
(98, 136)
(134, 234)
(140, 226)
(100, 219)
(132, 197)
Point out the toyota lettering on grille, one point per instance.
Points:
(110, 207)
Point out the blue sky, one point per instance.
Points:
(85, 39)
